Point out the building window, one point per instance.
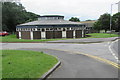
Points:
(64, 29)
(77, 28)
(51, 29)
(17, 29)
(33, 29)
(38, 29)
(29, 29)
(26, 29)
(21, 29)
(43, 29)
(47, 29)
(59, 28)
(68, 29)
(71, 28)
(55, 28)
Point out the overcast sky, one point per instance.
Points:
(83, 9)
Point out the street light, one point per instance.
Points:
(111, 17)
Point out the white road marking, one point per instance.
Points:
(110, 44)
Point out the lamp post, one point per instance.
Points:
(119, 6)
(111, 18)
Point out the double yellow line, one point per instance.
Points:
(104, 60)
(94, 57)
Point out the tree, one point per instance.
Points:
(97, 26)
(14, 14)
(103, 22)
(74, 19)
(116, 21)
(88, 20)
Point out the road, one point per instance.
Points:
(75, 65)
(79, 66)
(115, 47)
(96, 49)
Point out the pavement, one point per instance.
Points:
(87, 40)
(115, 48)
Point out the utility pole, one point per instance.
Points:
(118, 18)
(111, 17)
(119, 6)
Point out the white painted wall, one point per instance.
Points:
(43, 35)
(19, 33)
(63, 34)
(35, 29)
(31, 35)
(74, 34)
(82, 33)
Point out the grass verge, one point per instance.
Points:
(101, 35)
(12, 38)
(25, 64)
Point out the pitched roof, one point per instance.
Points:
(93, 21)
(52, 16)
(51, 22)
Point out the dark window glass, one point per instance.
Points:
(43, 29)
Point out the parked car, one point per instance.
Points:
(4, 33)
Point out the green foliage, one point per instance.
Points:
(12, 38)
(25, 64)
(97, 26)
(102, 35)
(88, 20)
(116, 21)
(74, 19)
(14, 14)
(103, 22)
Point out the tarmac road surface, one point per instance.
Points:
(79, 66)
(116, 48)
(74, 65)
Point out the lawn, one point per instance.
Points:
(101, 35)
(12, 38)
(25, 64)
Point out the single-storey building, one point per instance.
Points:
(49, 27)
(89, 26)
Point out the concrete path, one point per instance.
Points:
(87, 40)
(115, 46)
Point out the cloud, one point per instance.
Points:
(89, 9)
